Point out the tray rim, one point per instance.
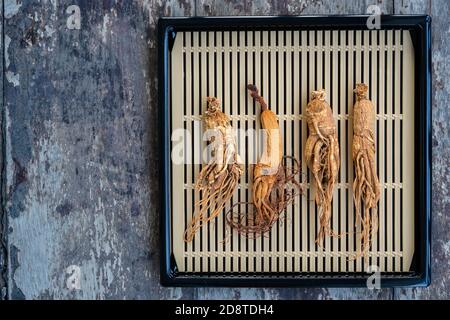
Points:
(420, 25)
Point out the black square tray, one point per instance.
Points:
(418, 271)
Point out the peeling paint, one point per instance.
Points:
(12, 78)
(446, 247)
(9, 162)
(49, 31)
(7, 43)
(83, 130)
(34, 272)
(11, 8)
(105, 26)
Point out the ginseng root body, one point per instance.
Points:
(366, 186)
(219, 178)
(274, 184)
(322, 157)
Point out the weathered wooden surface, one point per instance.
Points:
(3, 250)
(80, 118)
(81, 150)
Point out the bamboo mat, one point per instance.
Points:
(287, 66)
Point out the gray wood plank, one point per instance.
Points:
(440, 286)
(412, 6)
(81, 148)
(3, 250)
(82, 160)
(287, 7)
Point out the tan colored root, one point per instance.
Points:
(325, 178)
(272, 192)
(213, 196)
(271, 196)
(217, 181)
(365, 194)
(322, 158)
(366, 187)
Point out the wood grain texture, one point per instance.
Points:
(412, 6)
(3, 249)
(287, 7)
(440, 276)
(82, 159)
(80, 143)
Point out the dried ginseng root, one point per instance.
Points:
(273, 182)
(219, 178)
(322, 157)
(366, 187)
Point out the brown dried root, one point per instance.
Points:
(218, 179)
(322, 157)
(366, 187)
(272, 181)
